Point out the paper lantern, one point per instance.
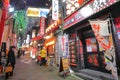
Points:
(80, 2)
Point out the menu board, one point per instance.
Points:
(72, 52)
(65, 64)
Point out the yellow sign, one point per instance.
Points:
(35, 12)
(65, 63)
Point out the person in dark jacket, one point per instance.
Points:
(20, 52)
(11, 60)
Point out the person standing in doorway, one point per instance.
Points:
(11, 60)
(43, 54)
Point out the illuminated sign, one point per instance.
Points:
(42, 25)
(43, 12)
(34, 12)
(52, 28)
(91, 8)
(37, 12)
(50, 43)
(55, 10)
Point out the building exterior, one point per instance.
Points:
(51, 37)
(84, 48)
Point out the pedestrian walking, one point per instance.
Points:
(19, 53)
(38, 57)
(43, 54)
(11, 60)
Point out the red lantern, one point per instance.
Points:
(80, 2)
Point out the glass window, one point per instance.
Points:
(93, 60)
(91, 45)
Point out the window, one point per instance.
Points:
(91, 45)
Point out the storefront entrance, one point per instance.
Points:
(93, 56)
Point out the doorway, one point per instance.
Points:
(93, 55)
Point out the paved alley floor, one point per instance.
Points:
(29, 70)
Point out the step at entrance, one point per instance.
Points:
(88, 74)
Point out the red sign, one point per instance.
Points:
(42, 26)
(63, 43)
(93, 5)
(117, 25)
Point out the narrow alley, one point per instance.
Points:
(29, 70)
(78, 37)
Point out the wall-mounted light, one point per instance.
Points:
(11, 9)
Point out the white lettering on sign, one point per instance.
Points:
(42, 25)
(55, 9)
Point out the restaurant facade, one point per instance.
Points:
(87, 47)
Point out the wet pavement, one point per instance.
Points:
(27, 69)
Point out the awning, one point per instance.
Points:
(36, 38)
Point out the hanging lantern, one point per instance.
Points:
(80, 2)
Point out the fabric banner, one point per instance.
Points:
(104, 38)
(64, 46)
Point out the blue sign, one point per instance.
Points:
(44, 12)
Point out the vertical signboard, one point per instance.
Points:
(42, 26)
(64, 51)
(55, 7)
(104, 38)
(64, 46)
